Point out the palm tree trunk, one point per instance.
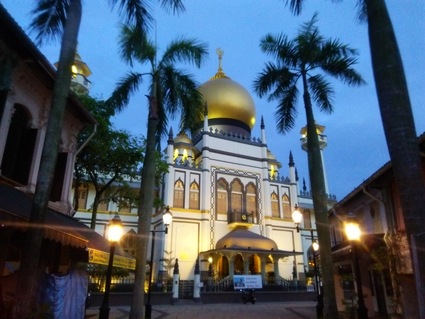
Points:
(147, 190)
(318, 188)
(31, 268)
(400, 133)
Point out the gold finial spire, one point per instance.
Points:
(220, 53)
(220, 73)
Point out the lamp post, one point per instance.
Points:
(353, 232)
(115, 231)
(167, 217)
(297, 216)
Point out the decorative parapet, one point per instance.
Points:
(276, 178)
(309, 194)
(187, 164)
(240, 138)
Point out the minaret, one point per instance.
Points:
(80, 72)
(323, 142)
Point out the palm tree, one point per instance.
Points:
(400, 133)
(399, 129)
(301, 60)
(60, 18)
(171, 91)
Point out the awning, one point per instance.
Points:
(15, 209)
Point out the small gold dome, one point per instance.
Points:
(227, 99)
(241, 238)
(182, 138)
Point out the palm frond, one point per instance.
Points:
(125, 88)
(185, 50)
(181, 96)
(272, 78)
(295, 6)
(135, 45)
(176, 6)
(322, 92)
(286, 111)
(49, 19)
(134, 12)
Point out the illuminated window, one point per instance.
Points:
(178, 194)
(286, 207)
(236, 196)
(251, 200)
(82, 197)
(103, 203)
(194, 196)
(307, 218)
(275, 204)
(221, 196)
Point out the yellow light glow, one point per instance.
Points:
(115, 229)
(352, 230)
(297, 216)
(184, 154)
(167, 217)
(176, 153)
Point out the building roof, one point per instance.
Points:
(19, 46)
(242, 240)
(15, 210)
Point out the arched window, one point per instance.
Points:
(19, 148)
(81, 197)
(286, 207)
(222, 203)
(128, 242)
(307, 218)
(251, 200)
(194, 196)
(236, 196)
(178, 194)
(275, 204)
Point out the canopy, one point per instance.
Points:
(15, 209)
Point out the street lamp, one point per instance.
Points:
(115, 231)
(297, 217)
(353, 232)
(167, 217)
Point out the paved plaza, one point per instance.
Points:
(261, 310)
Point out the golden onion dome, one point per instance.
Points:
(227, 99)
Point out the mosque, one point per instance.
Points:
(232, 210)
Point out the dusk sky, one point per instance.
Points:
(356, 142)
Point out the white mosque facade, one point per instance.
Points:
(231, 207)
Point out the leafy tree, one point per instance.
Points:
(301, 61)
(400, 132)
(110, 161)
(171, 91)
(53, 19)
